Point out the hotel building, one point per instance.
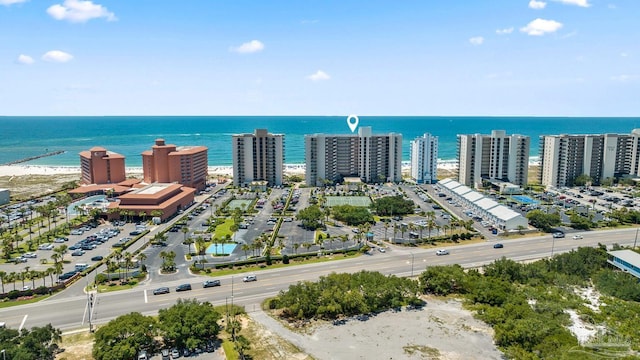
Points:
(257, 157)
(99, 166)
(158, 199)
(186, 165)
(372, 158)
(493, 157)
(565, 157)
(424, 159)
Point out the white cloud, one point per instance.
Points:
(476, 40)
(25, 59)
(612, 6)
(533, 4)
(319, 76)
(624, 54)
(540, 27)
(623, 78)
(57, 56)
(581, 3)
(11, 2)
(504, 31)
(249, 47)
(79, 11)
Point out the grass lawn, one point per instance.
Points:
(115, 286)
(223, 229)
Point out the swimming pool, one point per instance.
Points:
(90, 202)
(222, 249)
(525, 199)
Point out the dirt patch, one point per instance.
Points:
(29, 186)
(441, 330)
(76, 346)
(266, 345)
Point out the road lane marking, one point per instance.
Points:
(24, 319)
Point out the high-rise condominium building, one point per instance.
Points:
(493, 157)
(166, 163)
(565, 157)
(424, 159)
(257, 157)
(99, 166)
(371, 157)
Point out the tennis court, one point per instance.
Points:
(237, 204)
(348, 200)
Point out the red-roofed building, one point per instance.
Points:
(158, 199)
(183, 165)
(100, 166)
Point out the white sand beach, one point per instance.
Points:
(290, 169)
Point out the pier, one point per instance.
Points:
(35, 157)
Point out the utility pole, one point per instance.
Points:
(636, 239)
(412, 257)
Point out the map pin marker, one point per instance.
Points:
(353, 124)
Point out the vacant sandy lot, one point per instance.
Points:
(441, 330)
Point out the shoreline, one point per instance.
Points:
(289, 169)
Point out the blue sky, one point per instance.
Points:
(312, 57)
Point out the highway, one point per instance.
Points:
(69, 313)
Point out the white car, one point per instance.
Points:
(442, 252)
(30, 255)
(250, 278)
(577, 237)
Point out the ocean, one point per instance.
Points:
(24, 137)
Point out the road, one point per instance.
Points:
(69, 313)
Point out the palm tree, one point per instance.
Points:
(307, 245)
(143, 215)
(55, 257)
(295, 247)
(12, 277)
(200, 244)
(245, 248)
(344, 239)
(189, 241)
(185, 231)
(141, 258)
(50, 271)
(202, 261)
(3, 276)
(62, 249)
(24, 275)
(127, 256)
(118, 256)
(33, 275)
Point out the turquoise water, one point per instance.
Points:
(525, 199)
(24, 137)
(71, 208)
(222, 248)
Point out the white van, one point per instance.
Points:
(81, 266)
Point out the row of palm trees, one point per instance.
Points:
(454, 226)
(28, 274)
(125, 258)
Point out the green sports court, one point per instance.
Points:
(364, 201)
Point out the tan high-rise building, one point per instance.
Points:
(167, 163)
(257, 157)
(565, 157)
(99, 166)
(371, 157)
(493, 157)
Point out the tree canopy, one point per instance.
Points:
(37, 343)
(542, 220)
(311, 217)
(338, 295)
(124, 336)
(352, 215)
(392, 205)
(189, 323)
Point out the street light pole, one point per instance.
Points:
(553, 244)
(636, 239)
(412, 258)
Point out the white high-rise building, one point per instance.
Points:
(371, 157)
(493, 157)
(565, 157)
(258, 157)
(424, 159)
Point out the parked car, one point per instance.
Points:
(165, 354)
(249, 278)
(498, 246)
(97, 258)
(175, 353)
(210, 283)
(442, 252)
(161, 290)
(30, 255)
(78, 252)
(183, 287)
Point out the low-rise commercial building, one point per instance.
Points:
(158, 200)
